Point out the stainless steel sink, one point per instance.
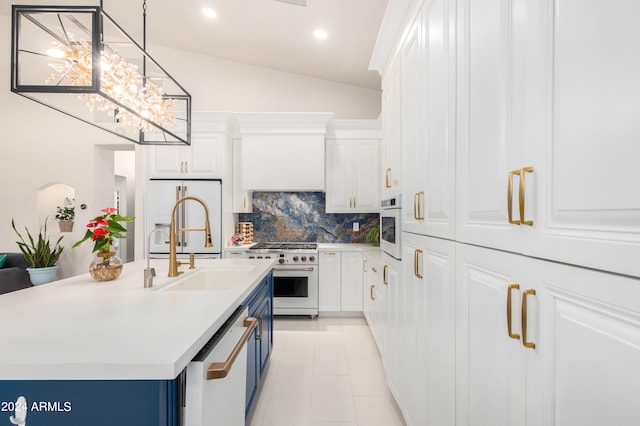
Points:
(212, 279)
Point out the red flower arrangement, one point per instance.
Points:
(103, 229)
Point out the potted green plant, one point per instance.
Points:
(373, 236)
(65, 215)
(40, 253)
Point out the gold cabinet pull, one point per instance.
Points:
(220, 370)
(416, 263)
(384, 275)
(509, 322)
(418, 210)
(387, 178)
(244, 202)
(525, 342)
(510, 198)
(371, 292)
(259, 336)
(522, 172)
(521, 197)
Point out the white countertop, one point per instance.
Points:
(82, 329)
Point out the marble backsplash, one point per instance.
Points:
(301, 217)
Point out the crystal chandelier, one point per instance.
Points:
(81, 51)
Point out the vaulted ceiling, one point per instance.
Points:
(275, 34)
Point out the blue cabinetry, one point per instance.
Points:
(90, 402)
(260, 304)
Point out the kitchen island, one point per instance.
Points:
(87, 333)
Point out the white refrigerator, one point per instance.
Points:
(162, 194)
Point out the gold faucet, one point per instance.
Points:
(173, 257)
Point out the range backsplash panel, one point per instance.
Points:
(301, 216)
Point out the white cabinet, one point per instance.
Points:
(204, 158)
(428, 122)
(329, 281)
(374, 303)
(351, 278)
(242, 199)
(393, 355)
(391, 144)
(490, 373)
(352, 175)
(340, 280)
(544, 104)
(428, 330)
(582, 335)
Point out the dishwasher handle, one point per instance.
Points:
(220, 370)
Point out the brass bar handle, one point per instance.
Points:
(525, 342)
(186, 167)
(420, 206)
(415, 206)
(416, 263)
(220, 370)
(385, 271)
(244, 202)
(522, 172)
(259, 336)
(509, 321)
(371, 292)
(510, 198)
(329, 253)
(387, 179)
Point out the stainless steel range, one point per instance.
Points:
(295, 275)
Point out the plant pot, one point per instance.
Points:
(42, 275)
(66, 225)
(105, 267)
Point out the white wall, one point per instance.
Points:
(40, 146)
(219, 85)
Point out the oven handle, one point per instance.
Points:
(292, 269)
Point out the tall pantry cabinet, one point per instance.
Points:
(519, 141)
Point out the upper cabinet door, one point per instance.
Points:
(391, 149)
(487, 147)
(352, 176)
(582, 116)
(204, 158)
(428, 122)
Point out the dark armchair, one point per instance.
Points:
(14, 275)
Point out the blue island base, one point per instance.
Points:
(90, 402)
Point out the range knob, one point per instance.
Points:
(281, 260)
(303, 258)
(252, 257)
(267, 257)
(312, 258)
(259, 257)
(295, 258)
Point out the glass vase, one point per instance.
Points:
(106, 266)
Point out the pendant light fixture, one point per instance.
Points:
(79, 61)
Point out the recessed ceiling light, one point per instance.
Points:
(320, 34)
(209, 13)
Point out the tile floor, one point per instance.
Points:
(324, 372)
